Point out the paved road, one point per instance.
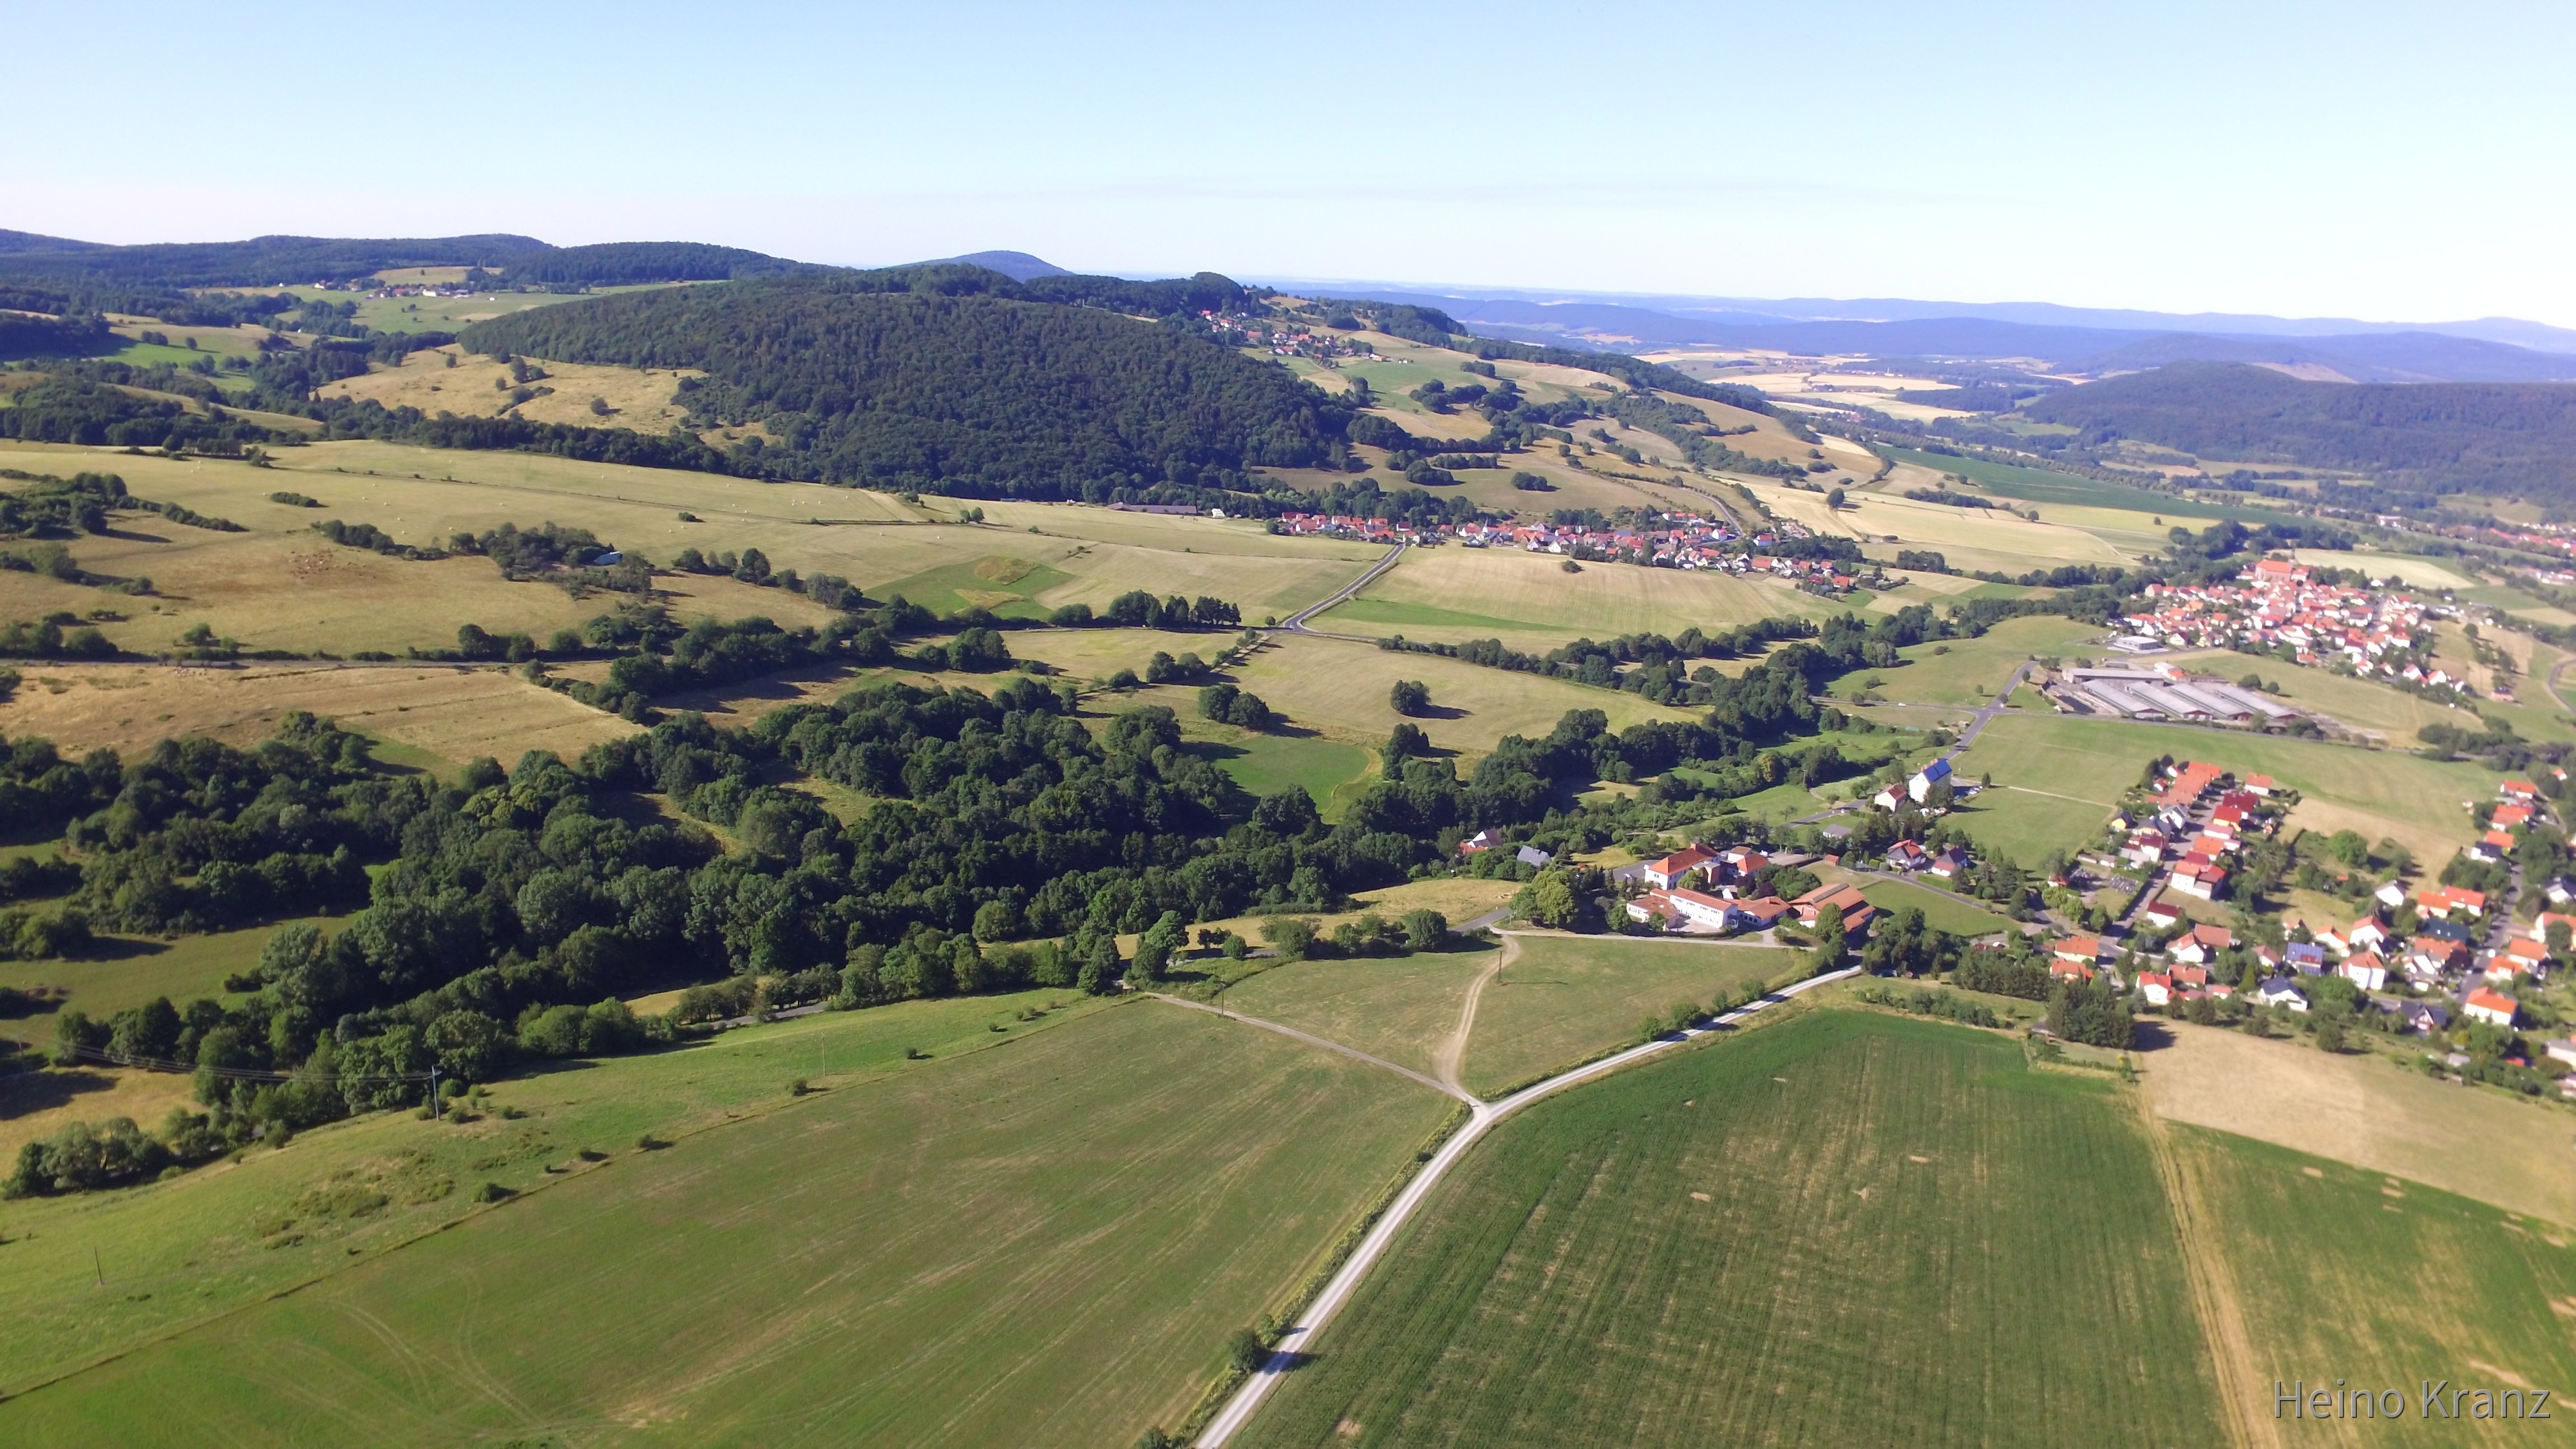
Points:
(1296, 622)
(1482, 1117)
(1988, 711)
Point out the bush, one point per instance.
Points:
(1291, 936)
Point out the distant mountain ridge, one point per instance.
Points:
(1018, 266)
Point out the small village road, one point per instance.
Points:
(1481, 1119)
(1296, 622)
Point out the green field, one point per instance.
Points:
(1401, 1009)
(1564, 999)
(2081, 763)
(1941, 912)
(131, 970)
(997, 583)
(1265, 764)
(1846, 1228)
(1970, 671)
(1040, 1244)
(2041, 485)
(1530, 602)
(2417, 1284)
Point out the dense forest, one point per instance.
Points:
(626, 263)
(2447, 437)
(966, 392)
(260, 261)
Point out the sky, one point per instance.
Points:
(2392, 163)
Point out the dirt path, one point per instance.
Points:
(1452, 1053)
(2214, 1298)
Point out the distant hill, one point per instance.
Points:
(28, 241)
(1018, 266)
(957, 379)
(629, 263)
(2447, 437)
(260, 261)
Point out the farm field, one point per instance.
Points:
(1401, 1009)
(1077, 1222)
(260, 586)
(1339, 689)
(2420, 1285)
(1563, 999)
(2087, 761)
(2044, 486)
(448, 713)
(1969, 538)
(2391, 715)
(1265, 764)
(1448, 595)
(233, 1233)
(1846, 1228)
(2360, 1110)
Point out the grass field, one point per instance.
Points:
(1567, 998)
(1968, 672)
(1941, 912)
(1845, 1228)
(645, 399)
(2418, 1286)
(1043, 1243)
(1400, 1009)
(2361, 1110)
(1340, 689)
(448, 713)
(1530, 602)
(129, 971)
(1266, 764)
(2055, 765)
(2043, 487)
(1000, 583)
(249, 585)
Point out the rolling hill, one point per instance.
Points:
(2450, 437)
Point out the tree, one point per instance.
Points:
(1409, 697)
(1833, 498)
(1100, 967)
(1291, 936)
(1154, 950)
(1405, 742)
(1548, 899)
(1246, 1350)
(996, 920)
(1424, 929)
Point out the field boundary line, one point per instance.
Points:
(2214, 1298)
(1326, 1043)
(1288, 1351)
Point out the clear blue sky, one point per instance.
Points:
(2357, 159)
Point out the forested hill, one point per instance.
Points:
(258, 262)
(952, 378)
(2450, 437)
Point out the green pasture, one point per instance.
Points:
(1400, 1008)
(998, 583)
(1844, 1229)
(1941, 912)
(2042, 485)
(1046, 1242)
(1265, 764)
(2345, 1274)
(130, 970)
(1564, 999)
(1969, 672)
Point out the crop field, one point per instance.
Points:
(1845, 1228)
(1529, 601)
(450, 379)
(449, 713)
(1339, 689)
(1027, 1245)
(2377, 792)
(2420, 1287)
(2357, 1109)
(1400, 1009)
(999, 583)
(1567, 998)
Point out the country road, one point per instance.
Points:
(1481, 1119)
(1296, 622)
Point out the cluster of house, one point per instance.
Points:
(2277, 602)
(1700, 890)
(1674, 541)
(1918, 788)
(2175, 830)
(1485, 840)
(1286, 341)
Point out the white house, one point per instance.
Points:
(2281, 991)
(1924, 779)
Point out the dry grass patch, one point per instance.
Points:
(1340, 689)
(450, 712)
(645, 399)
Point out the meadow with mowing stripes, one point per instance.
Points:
(1401, 1009)
(1844, 1228)
(1043, 1242)
(1565, 999)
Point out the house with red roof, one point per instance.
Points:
(1668, 871)
(2492, 1007)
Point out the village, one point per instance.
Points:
(2278, 605)
(1671, 540)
